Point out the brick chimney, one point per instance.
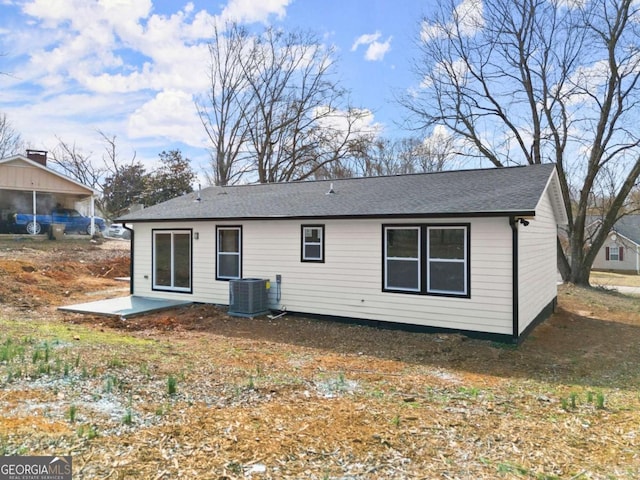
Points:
(39, 156)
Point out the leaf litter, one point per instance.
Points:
(299, 398)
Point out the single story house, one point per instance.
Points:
(470, 251)
(621, 250)
(27, 185)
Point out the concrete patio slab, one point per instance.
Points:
(124, 306)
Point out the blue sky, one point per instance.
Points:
(132, 68)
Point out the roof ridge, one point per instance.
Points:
(396, 175)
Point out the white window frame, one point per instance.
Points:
(305, 243)
(387, 259)
(237, 254)
(172, 287)
(463, 261)
(614, 257)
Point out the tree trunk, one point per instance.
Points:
(563, 263)
(580, 274)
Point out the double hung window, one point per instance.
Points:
(427, 259)
(228, 253)
(313, 243)
(447, 260)
(402, 259)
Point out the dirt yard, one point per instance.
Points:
(193, 393)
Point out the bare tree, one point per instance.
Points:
(10, 141)
(72, 161)
(76, 164)
(533, 81)
(295, 126)
(223, 110)
(384, 156)
(111, 158)
(275, 109)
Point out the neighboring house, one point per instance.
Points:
(621, 250)
(27, 185)
(469, 251)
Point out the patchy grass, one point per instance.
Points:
(195, 393)
(607, 279)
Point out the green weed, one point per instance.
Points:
(114, 363)
(395, 421)
(87, 431)
(72, 413)
(128, 417)
(171, 385)
(573, 397)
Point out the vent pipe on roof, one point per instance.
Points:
(199, 197)
(331, 190)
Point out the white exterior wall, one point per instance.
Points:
(630, 258)
(349, 282)
(537, 258)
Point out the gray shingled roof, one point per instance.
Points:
(629, 226)
(495, 191)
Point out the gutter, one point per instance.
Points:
(514, 213)
(514, 278)
(131, 257)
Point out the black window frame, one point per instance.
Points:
(415, 260)
(171, 288)
(303, 243)
(424, 260)
(228, 227)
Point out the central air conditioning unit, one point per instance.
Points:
(248, 297)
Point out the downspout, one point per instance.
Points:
(131, 257)
(514, 278)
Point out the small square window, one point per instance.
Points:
(313, 243)
(614, 253)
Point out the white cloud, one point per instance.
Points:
(249, 11)
(456, 70)
(365, 39)
(467, 18)
(375, 50)
(338, 121)
(134, 69)
(172, 115)
(58, 116)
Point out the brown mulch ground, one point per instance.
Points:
(299, 398)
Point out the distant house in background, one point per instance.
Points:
(27, 185)
(621, 250)
(469, 251)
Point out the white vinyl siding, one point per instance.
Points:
(348, 283)
(537, 258)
